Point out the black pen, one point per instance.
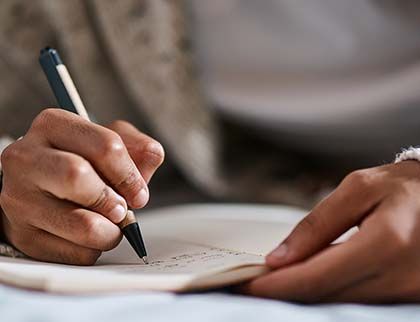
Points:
(69, 99)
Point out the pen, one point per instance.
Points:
(69, 99)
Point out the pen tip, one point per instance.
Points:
(144, 258)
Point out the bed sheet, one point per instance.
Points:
(20, 305)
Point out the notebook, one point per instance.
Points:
(190, 247)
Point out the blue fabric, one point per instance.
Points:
(18, 305)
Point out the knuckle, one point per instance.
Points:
(103, 201)
(11, 154)
(111, 145)
(45, 117)
(360, 178)
(75, 169)
(130, 182)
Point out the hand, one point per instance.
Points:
(380, 263)
(66, 184)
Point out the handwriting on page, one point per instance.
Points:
(202, 259)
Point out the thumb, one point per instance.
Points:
(344, 208)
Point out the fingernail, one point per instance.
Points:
(142, 198)
(117, 214)
(279, 253)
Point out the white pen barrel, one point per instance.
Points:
(72, 91)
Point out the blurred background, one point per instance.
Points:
(254, 101)
(333, 85)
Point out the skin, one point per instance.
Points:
(63, 181)
(378, 264)
(68, 182)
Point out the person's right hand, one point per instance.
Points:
(67, 182)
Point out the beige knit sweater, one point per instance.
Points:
(132, 59)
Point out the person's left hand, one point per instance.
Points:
(379, 263)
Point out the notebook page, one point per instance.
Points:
(173, 265)
(170, 256)
(167, 257)
(183, 243)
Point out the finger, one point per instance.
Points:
(390, 287)
(344, 208)
(102, 147)
(65, 220)
(323, 274)
(372, 290)
(78, 225)
(69, 176)
(147, 153)
(47, 247)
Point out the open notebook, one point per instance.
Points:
(191, 247)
